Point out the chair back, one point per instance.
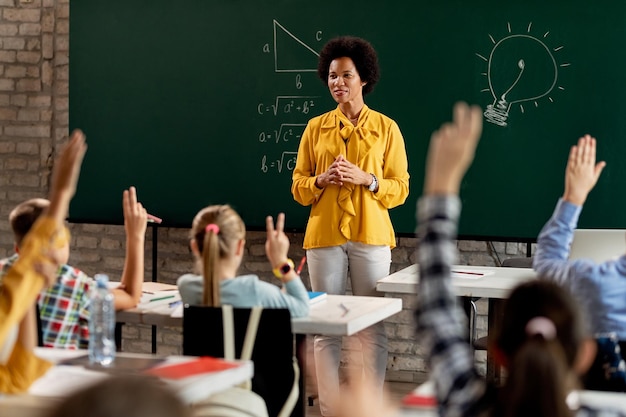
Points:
(273, 352)
(524, 262)
(40, 327)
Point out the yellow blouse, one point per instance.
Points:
(351, 213)
(18, 293)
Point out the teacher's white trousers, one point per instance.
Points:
(328, 270)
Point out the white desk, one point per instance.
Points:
(62, 380)
(497, 284)
(325, 317)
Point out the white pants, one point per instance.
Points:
(328, 271)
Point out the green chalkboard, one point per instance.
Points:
(200, 102)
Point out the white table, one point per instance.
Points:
(336, 315)
(62, 380)
(325, 317)
(494, 283)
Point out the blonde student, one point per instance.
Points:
(218, 243)
(35, 269)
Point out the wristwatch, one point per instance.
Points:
(282, 270)
(374, 185)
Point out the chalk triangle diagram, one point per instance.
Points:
(290, 53)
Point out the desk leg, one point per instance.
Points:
(299, 410)
(494, 319)
(467, 307)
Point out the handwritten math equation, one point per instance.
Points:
(286, 115)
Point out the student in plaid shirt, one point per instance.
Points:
(542, 341)
(19, 365)
(64, 306)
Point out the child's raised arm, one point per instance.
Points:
(451, 150)
(128, 294)
(24, 280)
(35, 268)
(582, 171)
(65, 176)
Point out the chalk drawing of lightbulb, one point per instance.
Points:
(521, 68)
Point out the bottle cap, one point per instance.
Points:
(102, 280)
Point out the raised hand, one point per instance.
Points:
(582, 171)
(135, 215)
(277, 243)
(128, 294)
(452, 149)
(65, 175)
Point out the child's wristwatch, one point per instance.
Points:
(283, 269)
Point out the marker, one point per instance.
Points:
(301, 265)
(154, 219)
(175, 303)
(162, 298)
(345, 309)
(468, 272)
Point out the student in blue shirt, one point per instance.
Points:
(218, 243)
(599, 287)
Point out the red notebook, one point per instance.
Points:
(416, 400)
(201, 365)
(422, 396)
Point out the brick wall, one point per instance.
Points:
(34, 74)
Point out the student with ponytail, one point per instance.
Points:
(542, 342)
(218, 242)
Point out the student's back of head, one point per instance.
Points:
(24, 215)
(217, 232)
(541, 341)
(127, 396)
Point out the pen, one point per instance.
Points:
(302, 262)
(161, 298)
(154, 219)
(344, 308)
(175, 303)
(468, 272)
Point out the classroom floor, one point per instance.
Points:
(396, 391)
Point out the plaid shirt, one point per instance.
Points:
(442, 324)
(63, 308)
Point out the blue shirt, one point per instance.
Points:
(442, 324)
(599, 287)
(248, 291)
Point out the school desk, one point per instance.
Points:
(61, 380)
(493, 283)
(337, 315)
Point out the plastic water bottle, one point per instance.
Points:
(102, 323)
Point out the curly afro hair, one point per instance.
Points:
(359, 51)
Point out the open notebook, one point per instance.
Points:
(598, 245)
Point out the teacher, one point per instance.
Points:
(351, 169)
